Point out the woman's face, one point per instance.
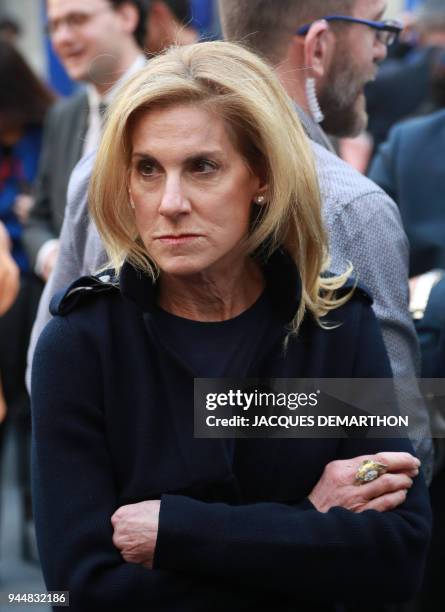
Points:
(191, 189)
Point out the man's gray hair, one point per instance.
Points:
(266, 26)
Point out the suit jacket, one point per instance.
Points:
(65, 128)
(400, 90)
(409, 166)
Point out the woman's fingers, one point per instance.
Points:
(397, 462)
(385, 502)
(338, 486)
(413, 473)
(357, 498)
(388, 483)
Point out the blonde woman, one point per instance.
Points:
(204, 193)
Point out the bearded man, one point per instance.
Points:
(325, 52)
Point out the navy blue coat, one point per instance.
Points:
(113, 425)
(410, 168)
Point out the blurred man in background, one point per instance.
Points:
(417, 184)
(99, 42)
(325, 52)
(404, 87)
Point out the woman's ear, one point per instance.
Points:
(319, 45)
(263, 189)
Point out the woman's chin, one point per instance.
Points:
(182, 266)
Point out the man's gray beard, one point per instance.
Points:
(338, 101)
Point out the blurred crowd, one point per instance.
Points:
(47, 239)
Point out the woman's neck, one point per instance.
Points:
(212, 297)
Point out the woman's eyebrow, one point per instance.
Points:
(141, 155)
(215, 153)
(203, 154)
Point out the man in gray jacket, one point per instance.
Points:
(363, 222)
(99, 43)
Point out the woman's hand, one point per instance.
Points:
(136, 530)
(337, 487)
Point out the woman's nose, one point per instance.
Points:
(174, 201)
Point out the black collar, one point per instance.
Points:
(282, 280)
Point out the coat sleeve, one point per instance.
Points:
(64, 273)
(74, 490)
(69, 264)
(298, 551)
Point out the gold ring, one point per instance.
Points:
(368, 471)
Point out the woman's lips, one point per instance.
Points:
(179, 239)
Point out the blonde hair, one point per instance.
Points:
(239, 87)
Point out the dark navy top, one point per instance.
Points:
(218, 349)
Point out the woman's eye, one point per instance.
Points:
(146, 168)
(204, 166)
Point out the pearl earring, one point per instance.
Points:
(260, 200)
